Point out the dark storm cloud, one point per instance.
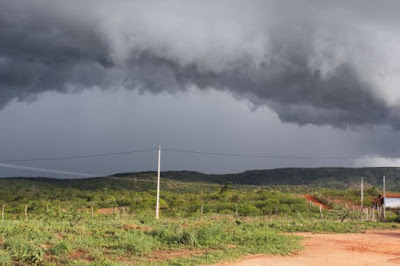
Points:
(310, 62)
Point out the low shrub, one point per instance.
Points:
(60, 248)
(136, 242)
(24, 251)
(188, 238)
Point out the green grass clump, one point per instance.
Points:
(60, 248)
(5, 258)
(188, 238)
(24, 251)
(136, 242)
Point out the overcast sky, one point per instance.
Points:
(282, 78)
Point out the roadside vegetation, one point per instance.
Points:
(110, 221)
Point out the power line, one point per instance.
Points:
(52, 171)
(281, 157)
(202, 153)
(76, 157)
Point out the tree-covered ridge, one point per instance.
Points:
(330, 177)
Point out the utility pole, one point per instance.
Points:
(362, 192)
(384, 199)
(158, 182)
(26, 212)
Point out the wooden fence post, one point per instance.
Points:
(118, 212)
(373, 215)
(202, 209)
(26, 212)
(236, 212)
(378, 214)
(92, 212)
(320, 212)
(2, 213)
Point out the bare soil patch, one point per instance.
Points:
(105, 211)
(45, 246)
(160, 255)
(129, 227)
(81, 255)
(83, 210)
(370, 248)
(316, 202)
(59, 236)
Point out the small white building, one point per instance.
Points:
(392, 201)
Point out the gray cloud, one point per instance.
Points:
(311, 62)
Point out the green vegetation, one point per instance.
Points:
(200, 223)
(122, 241)
(351, 195)
(327, 177)
(190, 241)
(55, 197)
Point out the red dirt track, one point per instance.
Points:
(316, 202)
(374, 247)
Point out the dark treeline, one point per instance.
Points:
(329, 177)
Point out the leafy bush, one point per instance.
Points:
(248, 210)
(24, 251)
(60, 248)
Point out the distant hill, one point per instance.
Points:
(332, 177)
(329, 177)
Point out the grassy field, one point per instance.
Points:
(200, 223)
(116, 240)
(127, 241)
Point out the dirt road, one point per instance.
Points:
(370, 248)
